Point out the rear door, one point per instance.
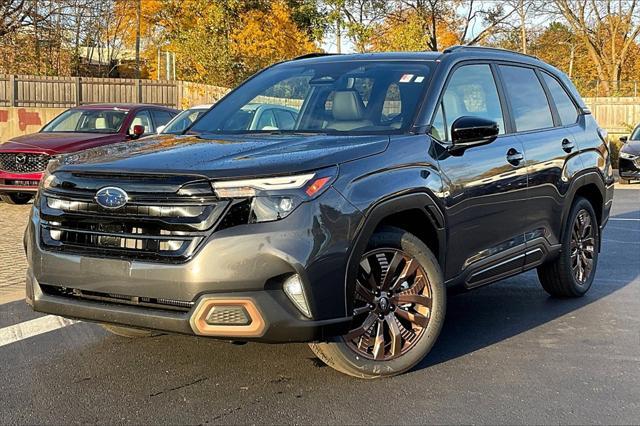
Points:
(542, 114)
(485, 187)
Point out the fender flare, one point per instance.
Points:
(376, 214)
(586, 178)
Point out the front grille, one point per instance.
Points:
(23, 162)
(151, 226)
(120, 299)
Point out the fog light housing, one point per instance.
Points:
(294, 290)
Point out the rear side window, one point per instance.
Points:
(528, 101)
(286, 119)
(161, 117)
(267, 121)
(566, 109)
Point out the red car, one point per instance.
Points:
(23, 159)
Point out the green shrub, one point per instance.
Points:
(615, 145)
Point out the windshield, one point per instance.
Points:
(182, 121)
(355, 97)
(87, 121)
(636, 134)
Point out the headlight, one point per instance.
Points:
(274, 198)
(628, 156)
(49, 180)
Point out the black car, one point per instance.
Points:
(404, 175)
(629, 158)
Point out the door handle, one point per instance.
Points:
(567, 145)
(514, 157)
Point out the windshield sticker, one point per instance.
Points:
(419, 79)
(406, 78)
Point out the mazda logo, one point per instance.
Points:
(21, 159)
(111, 197)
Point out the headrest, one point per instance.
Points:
(347, 106)
(101, 123)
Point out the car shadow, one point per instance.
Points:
(490, 315)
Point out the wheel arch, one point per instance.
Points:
(591, 187)
(417, 213)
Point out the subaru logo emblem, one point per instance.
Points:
(21, 159)
(111, 197)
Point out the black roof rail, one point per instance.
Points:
(313, 55)
(495, 49)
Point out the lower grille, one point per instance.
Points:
(23, 162)
(120, 299)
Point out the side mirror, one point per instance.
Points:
(138, 130)
(160, 129)
(468, 131)
(624, 139)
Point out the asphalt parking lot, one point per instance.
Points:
(508, 354)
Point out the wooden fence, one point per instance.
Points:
(615, 114)
(63, 92)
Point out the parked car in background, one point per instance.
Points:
(23, 159)
(255, 116)
(629, 158)
(182, 121)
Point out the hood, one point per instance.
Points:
(62, 142)
(227, 156)
(631, 147)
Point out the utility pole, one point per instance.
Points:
(167, 64)
(138, 18)
(523, 29)
(174, 66)
(571, 57)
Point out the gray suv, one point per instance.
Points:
(403, 175)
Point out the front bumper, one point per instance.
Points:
(629, 169)
(248, 262)
(19, 182)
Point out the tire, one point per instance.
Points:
(132, 333)
(561, 277)
(421, 296)
(16, 198)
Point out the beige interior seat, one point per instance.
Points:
(101, 123)
(348, 111)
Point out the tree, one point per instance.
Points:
(361, 17)
(404, 31)
(608, 29)
(15, 14)
(268, 36)
(460, 17)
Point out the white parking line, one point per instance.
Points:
(622, 218)
(31, 328)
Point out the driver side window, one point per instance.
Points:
(471, 92)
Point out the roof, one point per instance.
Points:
(471, 51)
(122, 106)
(203, 106)
(104, 55)
(330, 57)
